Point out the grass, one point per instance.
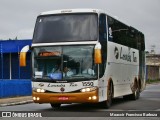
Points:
(152, 81)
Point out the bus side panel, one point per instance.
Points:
(102, 83)
(122, 68)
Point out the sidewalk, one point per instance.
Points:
(15, 101)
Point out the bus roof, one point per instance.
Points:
(82, 10)
(62, 11)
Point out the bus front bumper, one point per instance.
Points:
(86, 97)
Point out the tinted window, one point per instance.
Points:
(65, 27)
(124, 35)
(117, 31)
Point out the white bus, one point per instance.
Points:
(85, 56)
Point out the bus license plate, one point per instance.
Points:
(63, 98)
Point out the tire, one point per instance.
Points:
(107, 104)
(55, 106)
(135, 95)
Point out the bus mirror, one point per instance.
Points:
(22, 58)
(97, 54)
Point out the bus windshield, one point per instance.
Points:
(66, 27)
(64, 63)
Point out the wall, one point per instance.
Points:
(152, 72)
(9, 60)
(14, 80)
(12, 88)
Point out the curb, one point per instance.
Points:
(16, 103)
(153, 83)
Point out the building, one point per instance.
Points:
(9, 60)
(14, 80)
(153, 66)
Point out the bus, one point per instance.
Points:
(85, 56)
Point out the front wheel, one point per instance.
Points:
(55, 106)
(108, 102)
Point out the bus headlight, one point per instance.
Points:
(89, 89)
(40, 90)
(36, 98)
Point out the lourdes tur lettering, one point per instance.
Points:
(56, 85)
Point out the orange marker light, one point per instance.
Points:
(97, 54)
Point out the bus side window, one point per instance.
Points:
(117, 31)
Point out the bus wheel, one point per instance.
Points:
(136, 92)
(53, 105)
(109, 96)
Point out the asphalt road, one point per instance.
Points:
(148, 101)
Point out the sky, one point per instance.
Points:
(17, 17)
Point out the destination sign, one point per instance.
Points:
(54, 53)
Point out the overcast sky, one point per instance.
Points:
(17, 17)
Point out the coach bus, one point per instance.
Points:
(85, 56)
